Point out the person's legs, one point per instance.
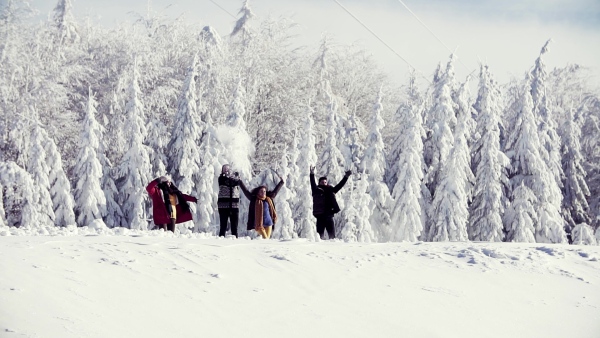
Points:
(330, 227)
(320, 226)
(171, 227)
(223, 215)
(262, 232)
(234, 216)
(268, 231)
(162, 226)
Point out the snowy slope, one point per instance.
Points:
(150, 284)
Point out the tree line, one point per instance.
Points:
(90, 115)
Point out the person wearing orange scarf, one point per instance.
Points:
(262, 215)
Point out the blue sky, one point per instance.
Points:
(506, 34)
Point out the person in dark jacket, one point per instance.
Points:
(262, 215)
(228, 201)
(324, 203)
(169, 205)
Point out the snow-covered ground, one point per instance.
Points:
(151, 284)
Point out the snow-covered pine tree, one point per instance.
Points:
(19, 197)
(375, 166)
(64, 21)
(528, 166)
(285, 221)
(353, 150)
(440, 123)
(575, 189)
(490, 163)
(39, 170)
(520, 216)
(157, 141)
(449, 208)
(332, 161)
(204, 181)
(134, 170)
(357, 212)
(409, 170)
(413, 102)
(582, 234)
(549, 139)
(60, 187)
(241, 25)
(183, 151)
(211, 87)
(90, 202)
(304, 220)
(295, 178)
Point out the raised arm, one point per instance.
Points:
(273, 193)
(228, 181)
(342, 182)
(245, 190)
(151, 186)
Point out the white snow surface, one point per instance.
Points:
(120, 283)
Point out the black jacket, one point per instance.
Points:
(324, 202)
(252, 197)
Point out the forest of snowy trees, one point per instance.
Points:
(90, 115)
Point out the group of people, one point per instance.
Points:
(170, 206)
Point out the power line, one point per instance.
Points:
(378, 38)
(224, 10)
(430, 31)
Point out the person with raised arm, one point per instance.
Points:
(169, 205)
(228, 200)
(325, 205)
(262, 215)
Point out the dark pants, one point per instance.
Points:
(232, 214)
(325, 222)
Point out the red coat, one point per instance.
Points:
(159, 209)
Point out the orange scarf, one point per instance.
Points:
(258, 212)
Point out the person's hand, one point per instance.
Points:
(195, 200)
(312, 169)
(348, 173)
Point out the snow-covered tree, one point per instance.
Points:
(520, 216)
(285, 221)
(304, 220)
(490, 163)
(39, 170)
(449, 208)
(134, 170)
(90, 202)
(528, 166)
(60, 187)
(549, 139)
(64, 21)
(440, 122)
(204, 187)
(582, 234)
(158, 139)
(575, 189)
(242, 24)
(182, 150)
(413, 102)
(375, 166)
(357, 212)
(409, 170)
(19, 197)
(332, 161)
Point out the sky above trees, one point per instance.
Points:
(506, 34)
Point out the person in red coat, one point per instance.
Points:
(169, 205)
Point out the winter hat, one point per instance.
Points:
(164, 179)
